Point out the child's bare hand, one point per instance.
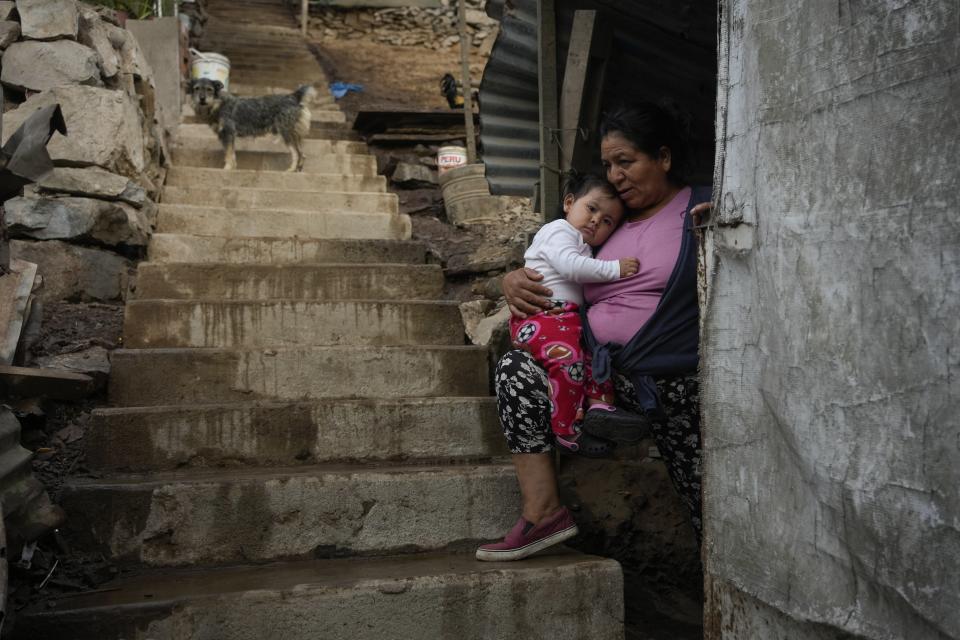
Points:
(629, 267)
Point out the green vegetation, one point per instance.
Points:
(135, 9)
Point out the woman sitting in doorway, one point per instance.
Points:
(645, 332)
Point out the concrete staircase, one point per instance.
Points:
(301, 446)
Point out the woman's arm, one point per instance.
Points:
(524, 296)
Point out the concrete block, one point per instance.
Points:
(196, 177)
(159, 42)
(314, 201)
(152, 377)
(203, 136)
(291, 282)
(562, 596)
(166, 247)
(362, 165)
(158, 438)
(289, 323)
(199, 516)
(252, 223)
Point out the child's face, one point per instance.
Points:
(595, 215)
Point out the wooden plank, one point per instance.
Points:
(304, 16)
(426, 4)
(31, 382)
(549, 117)
(465, 45)
(582, 87)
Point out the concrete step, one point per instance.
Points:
(318, 130)
(313, 201)
(204, 178)
(154, 377)
(219, 221)
(169, 247)
(202, 136)
(220, 516)
(138, 439)
(166, 281)
(561, 596)
(323, 97)
(351, 164)
(289, 323)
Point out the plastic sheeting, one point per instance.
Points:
(831, 356)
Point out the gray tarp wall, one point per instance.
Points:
(831, 351)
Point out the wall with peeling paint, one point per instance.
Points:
(832, 323)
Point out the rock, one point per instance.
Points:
(132, 60)
(104, 128)
(6, 9)
(95, 34)
(491, 330)
(491, 255)
(48, 19)
(36, 66)
(411, 175)
(94, 182)
(77, 219)
(491, 288)
(93, 361)
(476, 18)
(473, 312)
(76, 273)
(9, 32)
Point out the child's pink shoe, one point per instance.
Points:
(526, 538)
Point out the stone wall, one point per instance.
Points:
(831, 403)
(87, 221)
(435, 28)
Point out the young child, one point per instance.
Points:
(562, 251)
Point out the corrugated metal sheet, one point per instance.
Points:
(661, 50)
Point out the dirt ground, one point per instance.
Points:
(393, 77)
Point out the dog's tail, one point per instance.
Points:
(305, 93)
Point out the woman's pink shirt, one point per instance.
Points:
(620, 308)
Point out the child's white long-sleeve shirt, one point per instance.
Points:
(566, 261)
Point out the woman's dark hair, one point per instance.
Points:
(648, 127)
(580, 184)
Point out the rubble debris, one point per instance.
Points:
(430, 27)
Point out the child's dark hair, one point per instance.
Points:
(580, 184)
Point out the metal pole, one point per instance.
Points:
(304, 13)
(467, 90)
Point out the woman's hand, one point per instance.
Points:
(700, 213)
(524, 296)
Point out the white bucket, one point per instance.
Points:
(450, 157)
(212, 66)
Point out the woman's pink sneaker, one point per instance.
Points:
(525, 538)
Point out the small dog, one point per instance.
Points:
(232, 117)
